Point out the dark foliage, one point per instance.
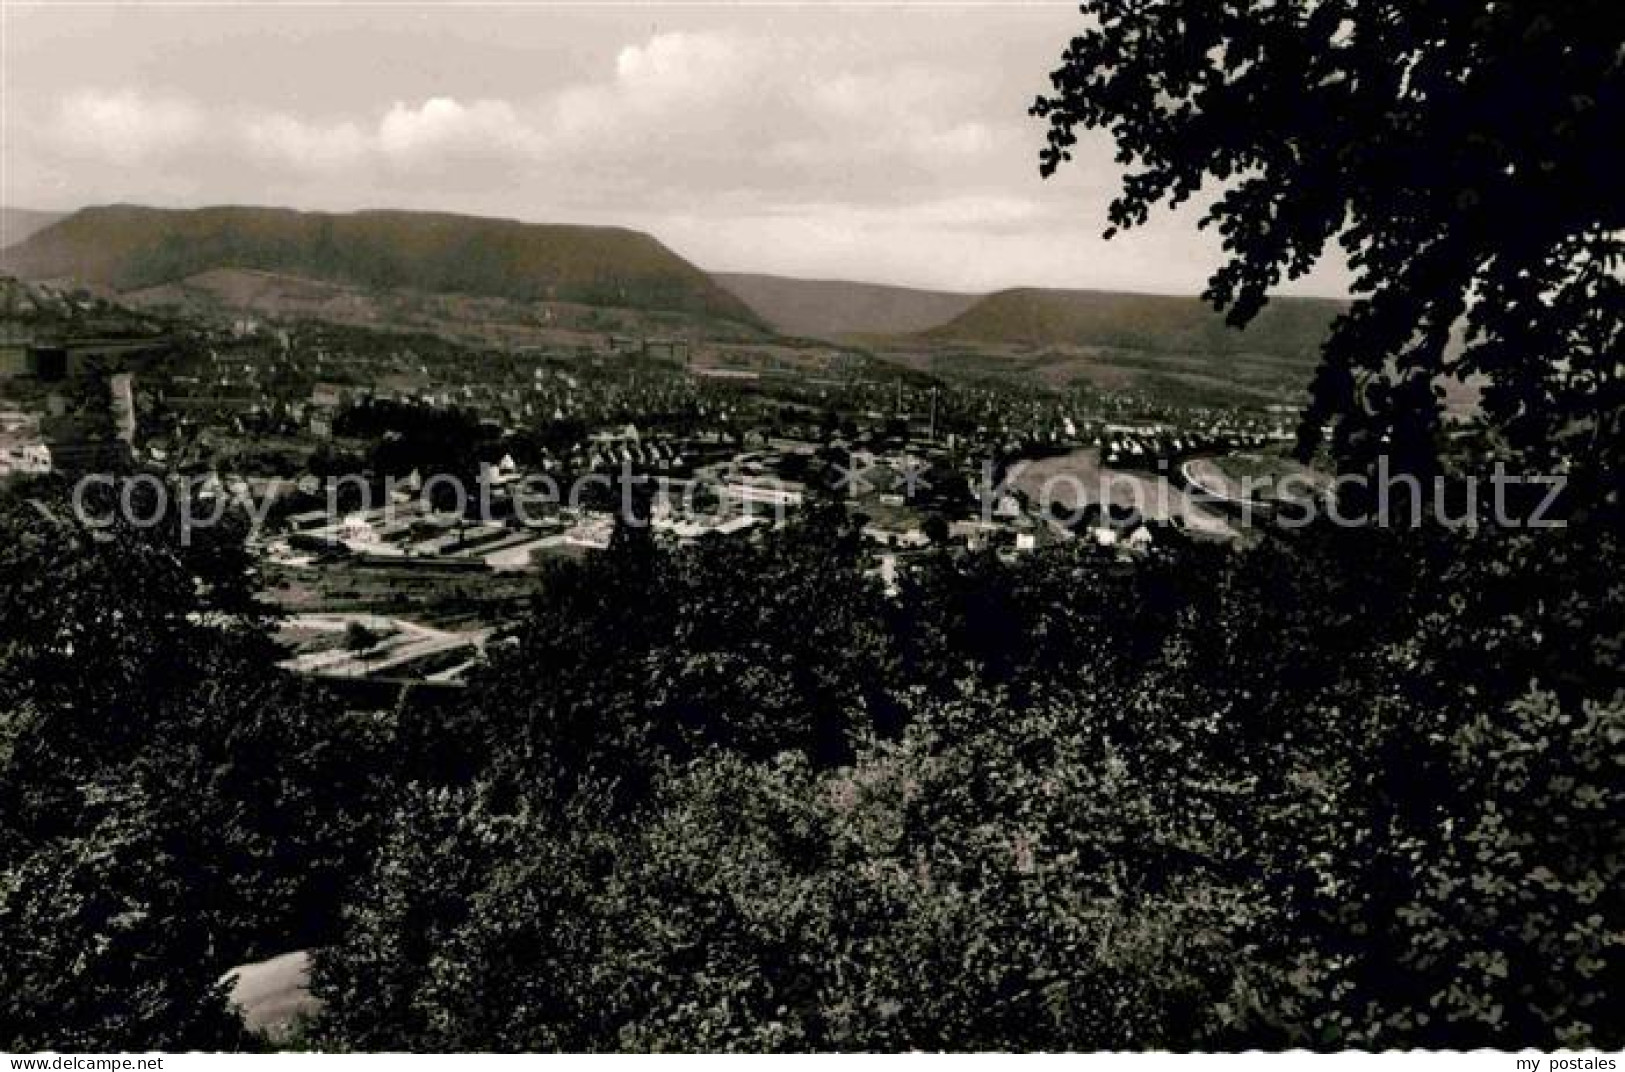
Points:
(1465, 155)
(1341, 789)
(170, 806)
(1351, 789)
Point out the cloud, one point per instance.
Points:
(681, 67)
(672, 90)
(676, 115)
(286, 141)
(128, 127)
(439, 134)
(125, 127)
(442, 127)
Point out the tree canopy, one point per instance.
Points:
(1464, 153)
(1206, 800)
(171, 805)
(1345, 788)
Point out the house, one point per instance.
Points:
(976, 535)
(327, 395)
(898, 538)
(31, 458)
(748, 494)
(308, 521)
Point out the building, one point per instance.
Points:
(748, 495)
(30, 458)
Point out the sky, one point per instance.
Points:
(886, 144)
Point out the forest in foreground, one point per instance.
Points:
(1347, 788)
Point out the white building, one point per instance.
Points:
(31, 458)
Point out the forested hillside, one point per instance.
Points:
(128, 247)
(1291, 328)
(831, 308)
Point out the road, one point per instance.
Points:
(406, 642)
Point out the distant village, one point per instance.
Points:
(350, 439)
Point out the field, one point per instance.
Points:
(1173, 378)
(1060, 478)
(440, 598)
(496, 322)
(1261, 470)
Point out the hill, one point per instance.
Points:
(126, 248)
(17, 224)
(1291, 328)
(827, 309)
(468, 319)
(1176, 350)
